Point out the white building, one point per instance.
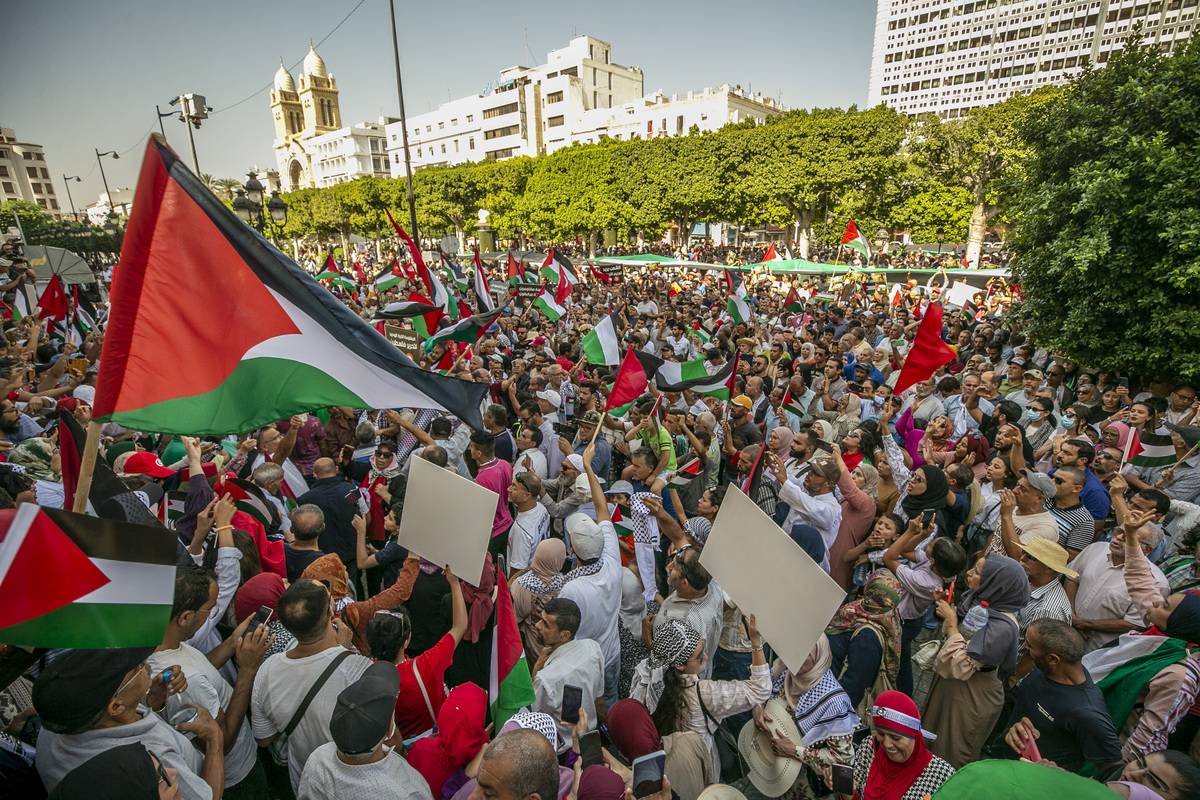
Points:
(348, 153)
(948, 56)
(658, 115)
(120, 203)
(24, 174)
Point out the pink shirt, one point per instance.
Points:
(497, 476)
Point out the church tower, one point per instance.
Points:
(318, 96)
(285, 107)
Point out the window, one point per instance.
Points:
(443, 148)
(595, 99)
(470, 117)
(27, 156)
(429, 129)
(492, 155)
(36, 187)
(507, 130)
(508, 108)
(3, 171)
(609, 80)
(31, 171)
(441, 126)
(554, 122)
(454, 121)
(456, 145)
(8, 187)
(554, 97)
(471, 143)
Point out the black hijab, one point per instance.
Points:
(932, 499)
(122, 773)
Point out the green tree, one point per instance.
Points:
(1107, 216)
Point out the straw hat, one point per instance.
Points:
(721, 791)
(1052, 554)
(770, 773)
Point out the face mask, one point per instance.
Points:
(1066, 422)
(1029, 416)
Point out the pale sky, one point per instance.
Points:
(84, 75)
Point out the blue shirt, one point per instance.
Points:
(602, 458)
(1094, 496)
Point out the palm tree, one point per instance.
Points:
(226, 188)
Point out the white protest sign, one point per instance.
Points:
(447, 519)
(766, 574)
(961, 293)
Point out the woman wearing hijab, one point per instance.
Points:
(533, 589)
(920, 490)
(780, 442)
(968, 690)
(864, 637)
(264, 589)
(598, 782)
(383, 467)
(461, 736)
(856, 487)
(823, 714)
(39, 459)
(895, 764)
(689, 764)
(472, 657)
(127, 772)
(329, 570)
(668, 684)
(844, 415)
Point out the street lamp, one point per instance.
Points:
(250, 207)
(941, 234)
(67, 181)
(99, 160)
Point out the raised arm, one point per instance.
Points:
(598, 500)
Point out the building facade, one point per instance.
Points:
(312, 147)
(948, 56)
(24, 173)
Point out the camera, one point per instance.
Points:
(566, 429)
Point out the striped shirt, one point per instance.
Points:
(1046, 602)
(1076, 527)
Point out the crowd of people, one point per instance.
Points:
(1021, 592)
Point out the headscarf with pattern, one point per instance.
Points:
(34, 455)
(674, 644)
(877, 609)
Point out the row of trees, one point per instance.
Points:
(809, 170)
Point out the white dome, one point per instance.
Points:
(283, 79)
(314, 65)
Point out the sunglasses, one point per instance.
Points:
(384, 454)
(145, 668)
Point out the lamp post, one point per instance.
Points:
(67, 181)
(256, 211)
(161, 117)
(412, 207)
(941, 234)
(100, 160)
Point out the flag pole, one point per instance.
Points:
(412, 206)
(86, 467)
(596, 432)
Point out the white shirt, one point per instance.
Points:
(822, 511)
(580, 663)
(536, 457)
(1102, 592)
(528, 529)
(207, 688)
(326, 777)
(599, 598)
(280, 686)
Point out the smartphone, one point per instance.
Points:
(572, 699)
(261, 617)
(347, 454)
(591, 749)
(648, 773)
(1123, 382)
(926, 517)
(1030, 751)
(843, 779)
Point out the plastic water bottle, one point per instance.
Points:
(975, 620)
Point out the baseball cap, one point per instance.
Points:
(550, 396)
(1017, 361)
(620, 487)
(1034, 373)
(826, 469)
(1040, 481)
(145, 463)
(587, 539)
(743, 401)
(362, 717)
(590, 418)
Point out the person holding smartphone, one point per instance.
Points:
(894, 763)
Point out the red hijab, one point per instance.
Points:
(888, 780)
(632, 730)
(461, 736)
(264, 589)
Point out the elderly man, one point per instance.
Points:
(566, 661)
(518, 765)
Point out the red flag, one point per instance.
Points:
(330, 264)
(358, 271)
(422, 270)
(928, 351)
(633, 378)
(770, 255)
(53, 303)
(599, 275)
(564, 288)
(514, 267)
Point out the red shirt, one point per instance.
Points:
(412, 715)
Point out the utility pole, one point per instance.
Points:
(412, 206)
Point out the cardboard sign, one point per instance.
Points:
(447, 519)
(768, 575)
(528, 291)
(614, 271)
(961, 293)
(406, 340)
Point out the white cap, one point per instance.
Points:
(587, 538)
(550, 396)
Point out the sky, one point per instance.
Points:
(84, 75)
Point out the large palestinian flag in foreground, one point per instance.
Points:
(214, 331)
(70, 580)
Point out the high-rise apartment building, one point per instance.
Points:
(949, 56)
(24, 174)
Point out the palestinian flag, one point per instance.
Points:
(405, 309)
(385, 281)
(433, 286)
(754, 479)
(793, 301)
(510, 688)
(1149, 449)
(855, 240)
(112, 584)
(618, 411)
(467, 329)
(602, 344)
(549, 306)
(600, 275)
(515, 271)
(557, 266)
(563, 290)
(483, 291)
(622, 526)
(108, 497)
(455, 270)
(334, 276)
(427, 322)
(737, 305)
(286, 346)
(633, 378)
(248, 497)
(790, 405)
(684, 475)
(771, 254)
(675, 377)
